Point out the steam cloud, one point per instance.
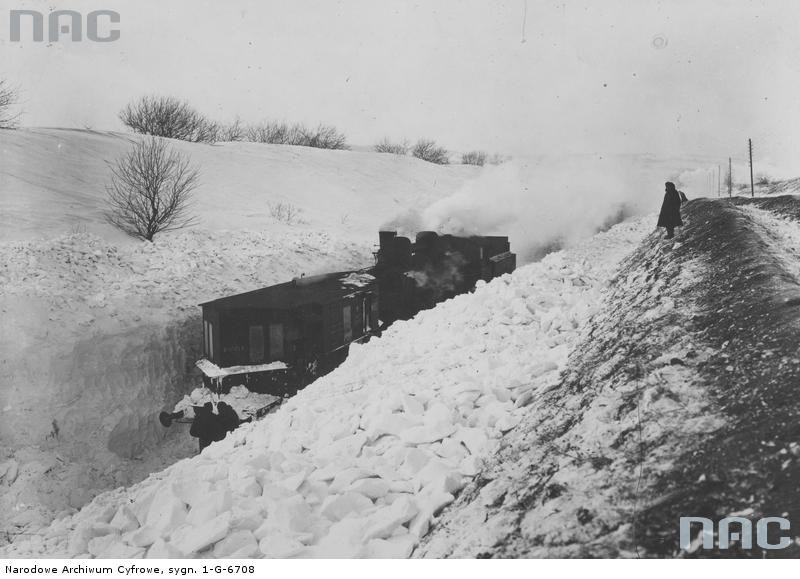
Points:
(440, 278)
(544, 204)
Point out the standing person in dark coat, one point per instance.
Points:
(670, 216)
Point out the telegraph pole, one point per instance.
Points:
(730, 177)
(719, 180)
(750, 150)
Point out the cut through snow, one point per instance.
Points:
(361, 462)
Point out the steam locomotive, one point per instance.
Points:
(278, 339)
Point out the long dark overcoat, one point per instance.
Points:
(670, 215)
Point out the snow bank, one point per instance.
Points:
(98, 337)
(360, 462)
(783, 234)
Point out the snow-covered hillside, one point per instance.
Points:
(361, 461)
(98, 331)
(52, 181)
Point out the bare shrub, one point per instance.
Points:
(281, 133)
(168, 117)
(207, 132)
(387, 146)
(428, 150)
(232, 132)
(150, 190)
(9, 97)
(475, 158)
(271, 132)
(321, 137)
(762, 179)
(497, 159)
(285, 213)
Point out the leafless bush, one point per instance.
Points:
(9, 97)
(234, 131)
(271, 132)
(762, 179)
(428, 150)
(281, 133)
(497, 159)
(387, 146)
(285, 213)
(207, 132)
(475, 158)
(168, 117)
(150, 190)
(321, 137)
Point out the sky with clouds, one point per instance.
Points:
(521, 78)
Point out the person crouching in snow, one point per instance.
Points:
(229, 419)
(670, 216)
(204, 425)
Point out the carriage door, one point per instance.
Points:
(275, 342)
(256, 344)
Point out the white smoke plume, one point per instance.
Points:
(547, 203)
(541, 204)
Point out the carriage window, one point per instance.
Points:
(347, 322)
(275, 342)
(256, 344)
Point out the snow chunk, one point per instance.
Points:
(337, 507)
(190, 539)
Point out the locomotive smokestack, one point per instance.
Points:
(386, 238)
(386, 253)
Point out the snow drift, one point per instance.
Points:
(361, 461)
(100, 331)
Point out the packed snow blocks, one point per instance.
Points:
(362, 462)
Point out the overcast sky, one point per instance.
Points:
(604, 77)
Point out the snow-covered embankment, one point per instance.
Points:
(360, 462)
